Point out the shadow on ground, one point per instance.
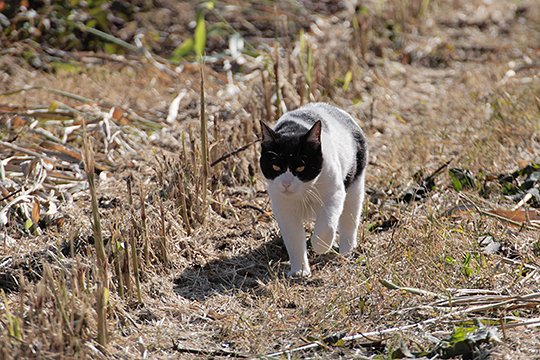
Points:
(230, 274)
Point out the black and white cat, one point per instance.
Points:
(314, 161)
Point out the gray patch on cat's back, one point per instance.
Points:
(306, 116)
(289, 126)
(358, 135)
(338, 114)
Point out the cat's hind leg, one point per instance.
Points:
(350, 217)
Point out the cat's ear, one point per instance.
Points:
(314, 134)
(268, 135)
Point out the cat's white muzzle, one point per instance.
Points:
(286, 184)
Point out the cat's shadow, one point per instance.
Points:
(239, 273)
(231, 274)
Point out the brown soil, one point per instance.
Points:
(457, 84)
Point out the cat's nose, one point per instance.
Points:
(286, 184)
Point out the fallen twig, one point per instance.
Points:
(234, 152)
(472, 291)
(10, 195)
(211, 353)
(438, 171)
(520, 263)
(20, 149)
(528, 196)
(415, 291)
(489, 299)
(529, 322)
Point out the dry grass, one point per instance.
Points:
(195, 269)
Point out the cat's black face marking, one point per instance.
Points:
(291, 147)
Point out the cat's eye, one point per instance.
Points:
(300, 168)
(276, 167)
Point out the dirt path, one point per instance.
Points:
(458, 85)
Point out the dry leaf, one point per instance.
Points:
(49, 145)
(72, 154)
(60, 222)
(35, 212)
(18, 122)
(119, 116)
(214, 315)
(117, 113)
(521, 216)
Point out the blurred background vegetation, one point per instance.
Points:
(178, 30)
(170, 28)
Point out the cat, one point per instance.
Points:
(314, 161)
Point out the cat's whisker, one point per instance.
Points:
(314, 197)
(305, 207)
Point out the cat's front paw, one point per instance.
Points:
(299, 274)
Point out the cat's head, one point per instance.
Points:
(291, 161)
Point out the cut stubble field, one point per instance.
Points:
(448, 262)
